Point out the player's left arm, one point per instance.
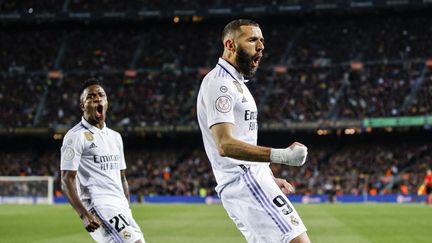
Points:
(125, 184)
(284, 185)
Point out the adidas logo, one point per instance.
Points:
(92, 145)
(244, 100)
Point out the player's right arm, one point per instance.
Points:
(220, 96)
(231, 147)
(70, 157)
(90, 221)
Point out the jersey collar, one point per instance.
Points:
(92, 128)
(231, 70)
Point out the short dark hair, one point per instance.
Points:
(235, 25)
(90, 82)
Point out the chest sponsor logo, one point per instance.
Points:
(223, 104)
(105, 158)
(252, 117)
(107, 162)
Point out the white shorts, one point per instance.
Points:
(259, 208)
(118, 225)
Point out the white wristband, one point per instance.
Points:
(295, 156)
(277, 155)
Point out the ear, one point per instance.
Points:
(230, 45)
(82, 106)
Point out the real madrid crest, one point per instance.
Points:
(88, 136)
(126, 234)
(294, 220)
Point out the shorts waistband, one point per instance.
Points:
(244, 168)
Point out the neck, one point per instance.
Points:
(98, 124)
(230, 58)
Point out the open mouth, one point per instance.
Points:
(99, 110)
(256, 60)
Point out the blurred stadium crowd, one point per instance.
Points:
(335, 169)
(348, 68)
(116, 6)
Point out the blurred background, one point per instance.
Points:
(350, 79)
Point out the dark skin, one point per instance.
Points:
(91, 98)
(94, 104)
(91, 222)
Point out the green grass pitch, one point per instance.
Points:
(190, 223)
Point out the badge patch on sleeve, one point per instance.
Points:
(69, 154)
(223, 104)
(223, 89)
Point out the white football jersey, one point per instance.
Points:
(97, 156)
(224, 97)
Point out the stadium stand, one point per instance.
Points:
(311, 70)
(344, 168)
(314, 70)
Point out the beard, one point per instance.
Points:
(244, 61)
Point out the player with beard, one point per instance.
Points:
(93, 172)
(227, 115)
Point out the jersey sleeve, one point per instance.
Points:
(121, 149)
(71, 150)
(220, 100)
